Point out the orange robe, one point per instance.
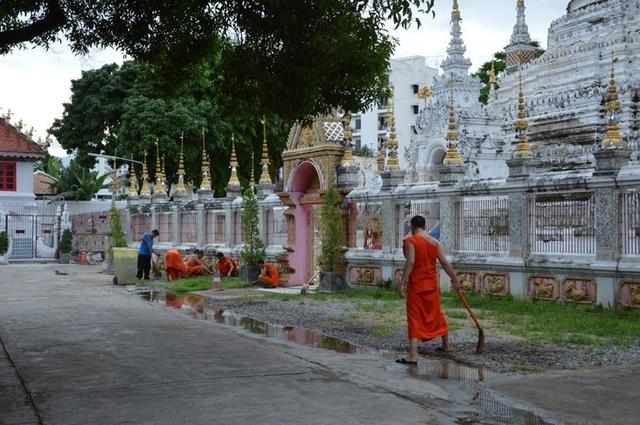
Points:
(227, 264)
(270, 276)
(425, 319)
(173, 264)
(193, 267)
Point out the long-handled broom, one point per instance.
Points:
(480, 345)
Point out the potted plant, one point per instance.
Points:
(333, 241)
(254, 248)
(66, 245)
(4, 248)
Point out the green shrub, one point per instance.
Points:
(333, 238)
(118, 239)
(254, 248)
(66, 242)
(4, 243)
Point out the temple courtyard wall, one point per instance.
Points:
(570, 236)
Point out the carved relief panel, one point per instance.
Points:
(579, 290)
(496, 284)
(630, 293)
(544, 287)
(365, 275)
(469, 281)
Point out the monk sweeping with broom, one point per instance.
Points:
(425, 319)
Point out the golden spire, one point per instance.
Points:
(492, 76)
(520, 3)
(455, 13)
(522, 150)
(160, 187)
(206, 181)
(133, 184)
(252, 180)
(452, 137)
(392, 162)
(233, 163)
(180, 187)
(144, 191)
(347, 157)
(612, 138)
(382, 153)
(265, 178)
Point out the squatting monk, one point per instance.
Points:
(226, 265)
(194, 265)
(173, 264)
(425, 319)
(268, 277)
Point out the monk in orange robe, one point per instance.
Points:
(268, 277)
(173, 264)
(226, 265)
(193, 264)
(425, 319)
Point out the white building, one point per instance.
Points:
(406, 76)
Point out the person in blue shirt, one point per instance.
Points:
(144, 253)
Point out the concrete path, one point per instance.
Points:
(78, 350)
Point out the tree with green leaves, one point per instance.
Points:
(295, 59)
(499, 60)
(333, 239)
(78, 183)
(118, 238)
(122, 110)
(49, 164)
(254, 248)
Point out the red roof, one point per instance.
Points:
(14, 143)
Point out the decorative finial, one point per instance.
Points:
(612, 107)
(492, 77)
(252, 179)
(180, 187)
(233, 163)
(206, 181)
(522, 150)
(133, 184)
(265, 178)
(144, 191)
(455, 13)
(392, 162)
(347, 158)
(160, 187)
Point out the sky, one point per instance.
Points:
(34, 83)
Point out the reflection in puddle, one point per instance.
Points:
(194, 306)
(490, 405)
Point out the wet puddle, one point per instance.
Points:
(194, 306)
(466, 383)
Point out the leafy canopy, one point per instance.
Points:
(122, 110)
(78, 183)
(293, 58)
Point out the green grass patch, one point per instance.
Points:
(456, 314)
(382, 331)
(198, 283)
(547, 322)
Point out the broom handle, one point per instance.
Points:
(466, 304)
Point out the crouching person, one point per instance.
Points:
(268, 277)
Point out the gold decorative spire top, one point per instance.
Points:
(612, 138)
(144, 191)
(522, 150)
(392, 162)
(252, 179)
(492, 77)
(206, 181)
(180, 187)
(455, 13)
(520, 3)
(133, 183)
(233, 163)
(160, 187)
(347, 158)
(265, 178)
(452, 157)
